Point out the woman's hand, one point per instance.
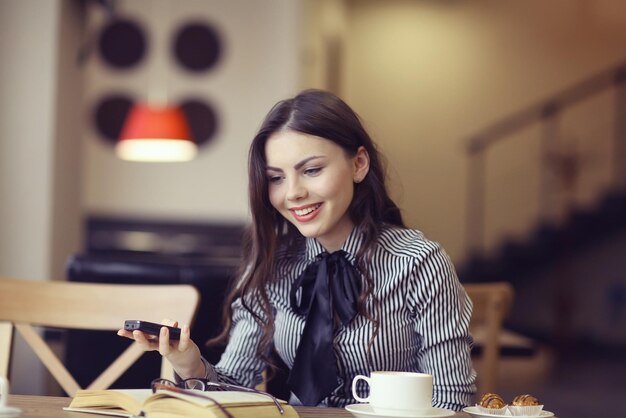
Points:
(184, 354)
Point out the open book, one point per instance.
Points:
(166, 404)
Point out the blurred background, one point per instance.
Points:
(503, 124)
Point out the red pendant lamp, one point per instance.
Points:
(156, 133)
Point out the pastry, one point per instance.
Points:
(525, 400)
(525, 405)
(491, 401)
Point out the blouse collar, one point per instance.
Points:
(350, 246)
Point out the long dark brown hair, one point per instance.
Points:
(322, 114)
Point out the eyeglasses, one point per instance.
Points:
(193, 385)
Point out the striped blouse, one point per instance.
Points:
(424, 315)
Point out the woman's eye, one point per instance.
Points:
(312, 171)
(274, 179)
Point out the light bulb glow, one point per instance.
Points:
(156, 150)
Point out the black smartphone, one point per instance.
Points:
(150, 328)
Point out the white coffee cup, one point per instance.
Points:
(394, 392)
(5, 410)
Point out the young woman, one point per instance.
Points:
(333, 280)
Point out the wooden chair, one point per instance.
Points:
(492, 302)
(92, 306)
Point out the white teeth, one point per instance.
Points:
(306, 211)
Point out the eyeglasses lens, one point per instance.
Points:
(194, 384)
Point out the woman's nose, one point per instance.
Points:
(296, 190)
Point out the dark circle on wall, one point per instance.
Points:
(109, 115)
(197, 46)
(202, 120)
(122, 43)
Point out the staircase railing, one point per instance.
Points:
(548, 114)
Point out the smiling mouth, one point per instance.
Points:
(307, 213)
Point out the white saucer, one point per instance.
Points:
(365, 410)
(9, 411)
(476, 413)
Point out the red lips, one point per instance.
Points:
(309, 215)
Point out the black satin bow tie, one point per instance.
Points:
(329, 286)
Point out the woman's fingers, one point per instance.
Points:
(164, 341)
(148, 342)
(125, 333)
(169, 323)
(185, 338)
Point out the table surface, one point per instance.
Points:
(52, 407)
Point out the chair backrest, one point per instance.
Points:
(492, 302)
(90, 306)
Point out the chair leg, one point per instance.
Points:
(48, 358)
(6, 338)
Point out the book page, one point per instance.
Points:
(168, 403)
(129, 400)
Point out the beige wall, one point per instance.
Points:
(66, 157)
(28, 89)
(426, 75)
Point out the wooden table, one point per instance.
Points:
(52, 407)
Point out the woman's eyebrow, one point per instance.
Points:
(298, 165)
(306, 160)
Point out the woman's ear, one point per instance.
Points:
(361, 164)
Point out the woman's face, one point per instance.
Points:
(311, 183)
